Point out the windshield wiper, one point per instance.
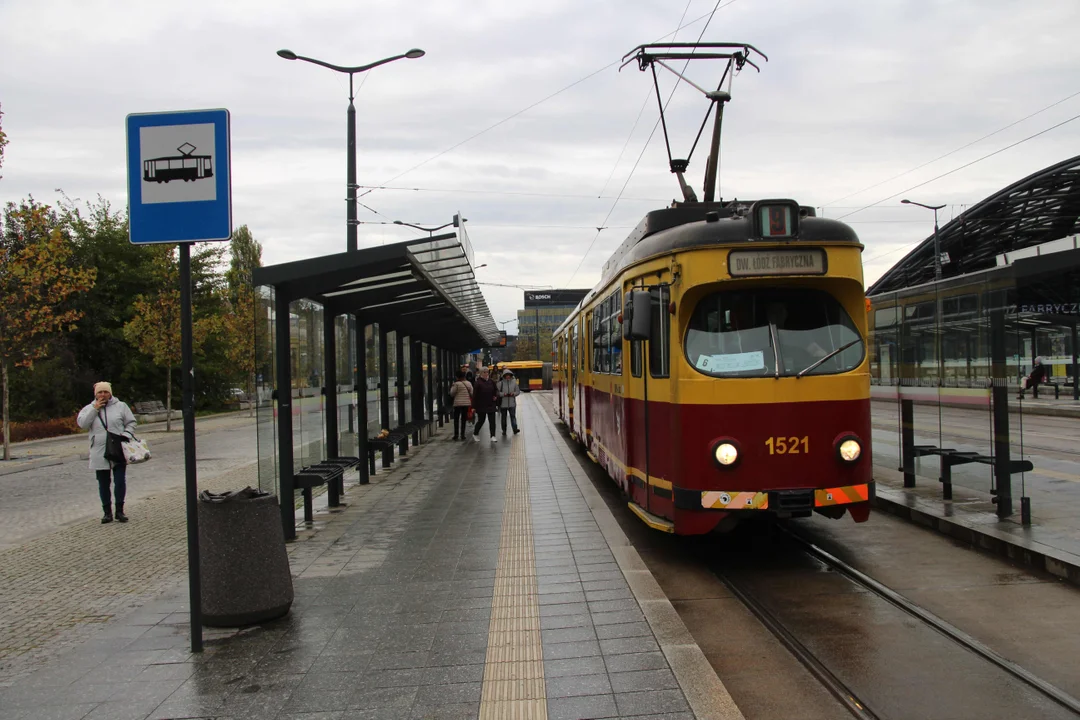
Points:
(835, 352)
(775, 351)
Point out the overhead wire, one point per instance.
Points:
(962, 167)
(643, 149)
(504, 192)
(538, 102)
(953, 152)
(641, 112)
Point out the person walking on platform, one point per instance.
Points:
(468, 374)
(508, 392)
(103, 416)
(461, 393)
(485, 400)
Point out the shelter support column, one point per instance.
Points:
(284, 421)
(1000, 398)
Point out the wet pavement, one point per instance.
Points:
(472, 580)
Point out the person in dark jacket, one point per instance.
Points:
(485, 399)
(508, 392)
(107, 414)
(1035, 378)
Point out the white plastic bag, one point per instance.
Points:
(136, 451)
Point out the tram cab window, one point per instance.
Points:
(731, 334)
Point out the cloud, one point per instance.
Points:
(853, 94)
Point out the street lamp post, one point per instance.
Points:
(350, 221)
(937, 250)
(938, 319)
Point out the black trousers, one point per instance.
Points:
(461, 421)
(480, 417)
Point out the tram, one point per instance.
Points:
(719, 370)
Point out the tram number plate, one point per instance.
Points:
(788, 445)
(749, 263)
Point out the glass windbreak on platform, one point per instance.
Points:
(941, 352)
(265, 384)
(374, 392)
(307, 347)
(392, 365)
(346, 372)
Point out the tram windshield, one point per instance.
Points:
(749, 333)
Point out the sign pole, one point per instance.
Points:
(190, 482)
(180, 191)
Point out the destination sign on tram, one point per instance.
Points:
(750, 263)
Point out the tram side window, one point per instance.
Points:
(616, 333)
(660, 334)
(605, 350)
(596, 324)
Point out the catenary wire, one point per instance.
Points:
(953, 152)
(640, 155)
(530, 107)
(965, 165)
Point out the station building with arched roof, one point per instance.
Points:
(1009, 264)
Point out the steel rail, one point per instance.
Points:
(942, 626)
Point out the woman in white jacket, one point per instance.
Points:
(107, 414)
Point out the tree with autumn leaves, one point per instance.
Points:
(37, 282)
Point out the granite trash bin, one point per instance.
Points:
(245, 573)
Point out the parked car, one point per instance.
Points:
(237, 394)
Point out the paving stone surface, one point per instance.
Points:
(391, 617)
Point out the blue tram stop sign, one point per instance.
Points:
(179, 177)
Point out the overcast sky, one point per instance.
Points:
(519, 118)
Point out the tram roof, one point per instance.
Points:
(424, 288)
(1041, 208)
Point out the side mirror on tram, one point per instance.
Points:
(637, 319)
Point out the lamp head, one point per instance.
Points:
(287, 54)
(398, 222)
(414, 53)
(905, 201)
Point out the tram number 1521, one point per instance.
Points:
(788, 446)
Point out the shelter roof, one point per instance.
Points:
(424, 288)
(1040, 208)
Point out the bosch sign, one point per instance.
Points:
(555, 297)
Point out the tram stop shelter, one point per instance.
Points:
(961, 318)
(353, 344)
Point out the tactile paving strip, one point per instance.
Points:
(514, 671)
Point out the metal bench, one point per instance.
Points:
(313, 476)
(1057, 383)
(950, 457)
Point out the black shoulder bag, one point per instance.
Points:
(114, 450)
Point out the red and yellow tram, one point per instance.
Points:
(719, 370)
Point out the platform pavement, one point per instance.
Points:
(1051, 543)
(394, 615)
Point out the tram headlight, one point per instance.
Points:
(726, 453)
(848, 449)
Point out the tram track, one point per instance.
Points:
(844, 692)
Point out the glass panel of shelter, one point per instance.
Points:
(265, 383)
